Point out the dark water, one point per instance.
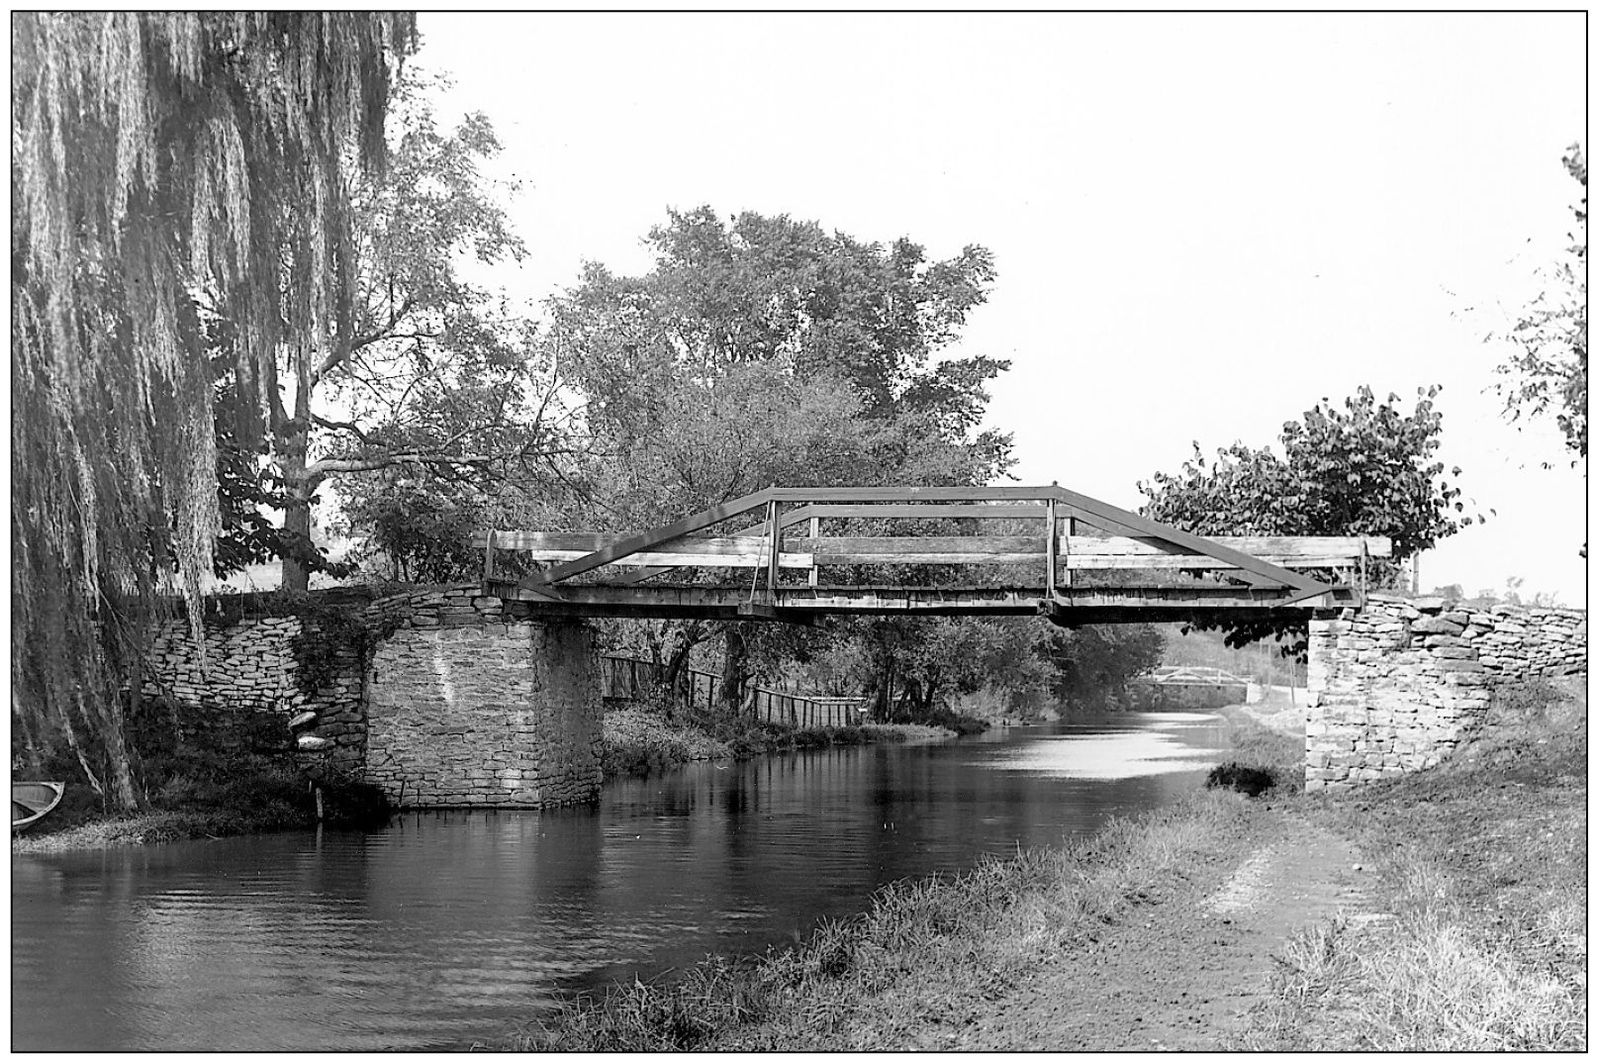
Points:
(446, 929)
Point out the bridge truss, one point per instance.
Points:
(798, 553)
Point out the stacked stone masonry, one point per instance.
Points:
(249, 664)
(456, 701)
(1402, 682)
(468, 705)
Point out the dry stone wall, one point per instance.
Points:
(440, 697)
(248, 664)
(1401, 682)
(253, 664)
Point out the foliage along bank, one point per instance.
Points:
(637, 740)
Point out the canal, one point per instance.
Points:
(445, 929)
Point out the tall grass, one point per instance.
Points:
(1427, 980)
(1483, 863)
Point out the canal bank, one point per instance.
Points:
(1445, 909)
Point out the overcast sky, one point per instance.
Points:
(1202, 223)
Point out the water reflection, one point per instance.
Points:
(1109, 754)
(444, 929)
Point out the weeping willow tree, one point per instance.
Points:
(168, 170)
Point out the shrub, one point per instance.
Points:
(635, 740)
(960, 724)
(1249, 779)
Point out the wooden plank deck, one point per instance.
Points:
(1075, 606)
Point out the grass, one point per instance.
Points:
(637, 740)
(923, 948)
(154, 826)
(1483, 864)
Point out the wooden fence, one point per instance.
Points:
(631, 679)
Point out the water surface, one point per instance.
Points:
(445, 929)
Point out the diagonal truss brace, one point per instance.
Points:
(1100, 514)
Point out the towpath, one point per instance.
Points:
(1178, 973)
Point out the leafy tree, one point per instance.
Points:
(1547, 371)
(421, 533)
(435, 382)
(1362, 469)
(765, 351)
(1090, 664)
(161, 160)
(246, 487)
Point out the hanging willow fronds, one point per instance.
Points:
(163, 165)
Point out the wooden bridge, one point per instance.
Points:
(797, 553)
(1192, 676)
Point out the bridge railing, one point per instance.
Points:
(1050, 541)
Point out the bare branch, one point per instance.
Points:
(341, 356)
(347, 427)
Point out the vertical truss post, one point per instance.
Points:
(815, 569)
(488, 557)
(1053, 549)
(775, 514)
(1068, 580)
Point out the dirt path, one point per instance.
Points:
(1177, 975)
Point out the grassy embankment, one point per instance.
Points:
(1480, 861)
(635, 740)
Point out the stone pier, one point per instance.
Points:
(439, 697)
(1402, 682)
(492, 715)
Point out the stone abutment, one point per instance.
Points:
(1400, 683)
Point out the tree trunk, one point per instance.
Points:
(297, 522)
(676, 665)
(295, 446)
(123, 791)
(912, 704)
(734, 673)
(882, 706)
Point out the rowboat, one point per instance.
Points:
(32, 800)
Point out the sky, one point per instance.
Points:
(1203, 223)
